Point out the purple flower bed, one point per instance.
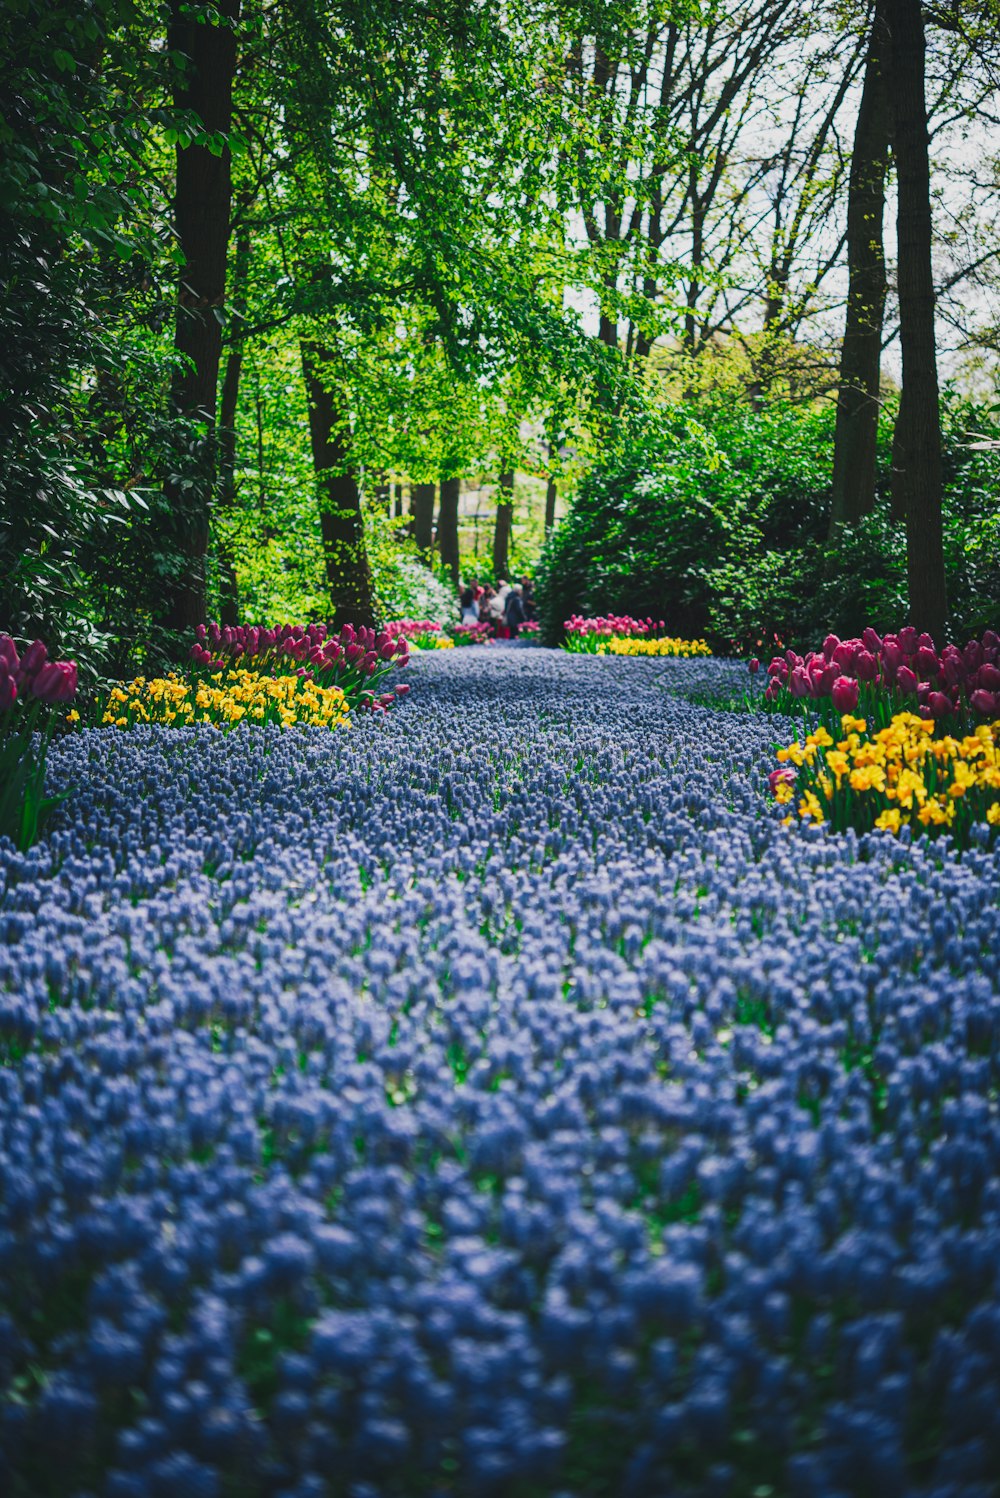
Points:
(522, 1111)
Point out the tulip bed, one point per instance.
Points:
(404, 1113)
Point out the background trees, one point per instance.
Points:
(262, 262)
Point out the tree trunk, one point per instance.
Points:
(501, 535)
(229, 596)
(202, 201)
(448, 525)
(342, 525)
(422, 500)
(397, 507)
(857, 401)
(919, 422)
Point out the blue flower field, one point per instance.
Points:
(493, 1098)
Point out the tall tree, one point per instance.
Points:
(858, 394)
(917, 452)
(341, 519)
(204, 36)
(448, 525)
(504, 521)
(422, 502)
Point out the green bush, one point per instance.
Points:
(714, 518)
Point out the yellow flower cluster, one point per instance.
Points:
(227, 698)
(618, 645)
(438, 642)
(901, 776)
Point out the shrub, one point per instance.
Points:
(715, 519)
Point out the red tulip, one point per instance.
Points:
(989, 677)
(984, 702)
(939, 704)
(906, 681)
(927, 662)
(908, 640)
(871, 641)
(8, 691)
(829, 646)
(845, 694)
(55, 682)
(31, 661)
(892, 656)
(866, 666)
(9, 659)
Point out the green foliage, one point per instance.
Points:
(79, 372)
(25, 735)
(714, 518)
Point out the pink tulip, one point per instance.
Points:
(989, 677)
(845, 694)
(984, 702)
(906, 681)
(845, 655)
(402, 690)
(928, 664)
(939, 704)
(799, 683)
(55, 682)
(871, 640)
(991, 640)
(972, 655)
(908, 640)
(829, 646)
(8, 691)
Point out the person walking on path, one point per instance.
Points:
(497, 609)
(470, 608)
(514, 614)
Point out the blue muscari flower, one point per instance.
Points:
(603, 1090)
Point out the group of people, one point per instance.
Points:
(505, 607)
